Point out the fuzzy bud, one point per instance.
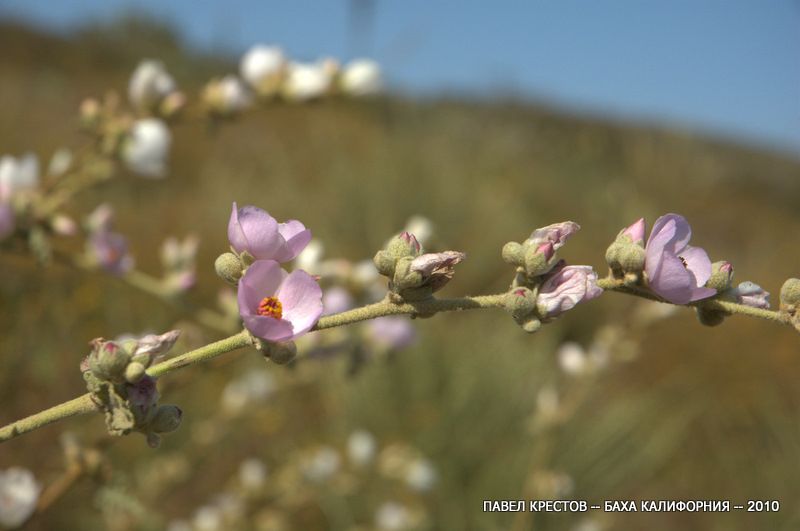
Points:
(790, 295)
(539, 258)
(108, 360)
(520, 303)
(167, 418)
(710, 317)
(403, 245)
(134, 372)
(281, 353)
(513, 254)
(384, 262)
(721, 276)
(404, 277)
(229, 267)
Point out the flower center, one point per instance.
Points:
(270, 307)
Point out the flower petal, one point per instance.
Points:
(262, 279)
(253, 230)
(673, 230)
(296, 237)
(301, 298)
(268, 328)
(672, 280)
(698, 263)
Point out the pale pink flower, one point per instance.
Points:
(253, 230)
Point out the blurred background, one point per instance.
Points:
(496, 120)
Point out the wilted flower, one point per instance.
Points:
(156, 344)
(336, 300)
(392, 332)
(556, 234)
(146, 149)
(149, 84)
(109, 250)
(253, 230)
(263, 68)
(675, 270)
(361, 77)
(143, 394)
(565, 287)
(361, 447)
(19, 492)
(308, 81)
(228, 95)
(436, 268)
(751, 294)
(276, 305)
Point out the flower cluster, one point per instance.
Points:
(544, 286)
(116, 375)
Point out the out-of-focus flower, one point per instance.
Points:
(391, 332)
(252, 474)
(18, 175)
(310, 257)
(101, 219)
(208, 518)
(564, 288)
(227, 96)
(60, 162)
(421, 227)
(263, 68)
(63, 225)
(321, 464)
(361, 77)
(109, 251)
(150, 84)
(552, 485)
(308, 81)
(336, 300)
(676, 271)
(178, 258)
(147, 147)
(572, 358)
(253, 230)
(19, 492)
(7, 220)
(392, 516)
(421, 476)
(276, 305)
(361, 447)
(252, 388)
(751, 294)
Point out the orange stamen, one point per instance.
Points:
(271, 307)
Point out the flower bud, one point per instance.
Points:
(166, 419)
(436, 269)
(134, 372)
(513, 254)
(790, 295)
(384, 263)
(709, 317)
(229, 267)
(520, 303)
(751, 294)
(721, 276)
(404, 278)
(531, 325)
(539, 258)
(633, 234)
(281, 352)
(565, 288)
(108, 360)
(404, 244)
(623, 257)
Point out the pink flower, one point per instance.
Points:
(392, 332)
(676, 271)
(253, 230)
(556, 234)
(564, 287)
(110, 252)
(276, 305)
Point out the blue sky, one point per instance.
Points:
(729, 67)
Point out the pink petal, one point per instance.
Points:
(296, 237)
(671, 280)
(301, 298)
(698, 263)
(268, 328)
(673, 231)
(253, 230)
(262, 279)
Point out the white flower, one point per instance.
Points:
(361, 447)
(308, 81)
(421, 476)
(572, 359)
(263, 67)
(17, 175)
(391, 516)
(149, 84)
(322, 464)
(361, 77)
(228, 95)
(147, 147)
(208, 518)
(252, 474)
(19, 493)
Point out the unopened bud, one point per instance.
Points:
(108, 361)
(403, 245)
(790, 295)
(384, 262)
(710, 317)
(167, 418)
(134, 372)
(539, 258)
(624, 257)
(721, 276)
(520, 303)
(404, 276)
(281, 353)
(229, 267)
(531, 325)
(513, 254)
